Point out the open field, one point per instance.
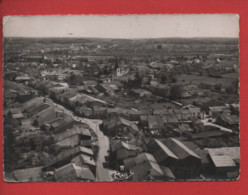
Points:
(226, 79)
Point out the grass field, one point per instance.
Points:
(226, 79)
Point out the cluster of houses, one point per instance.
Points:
(14, 93)
(172, 159)
(168, 158)
(36, 116)
(75, 164)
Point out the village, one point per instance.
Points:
(121, 110)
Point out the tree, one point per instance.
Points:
(164, 78)
(43, 127)
(136, 83)
(36, 123)
(230, 90)
(116, 64)
(176, 91)
(218, 87)
(235, 83)
(11, 152)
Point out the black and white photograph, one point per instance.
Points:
(121, 98)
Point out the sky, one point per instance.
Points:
(123, 26)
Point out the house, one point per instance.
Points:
(170, 120)
(47, 114)
(162, 111)
(58, 88)
(73, 137)
(66, 96)
(222, 163)
(119, 126)
(123, 150)
(60, 124)
(155, 122)
(9, 95)
(77, 100)
(162, 153)
(143, 122)
(190, 112)
(144, 167)
(66, 156)
(72, 172)
(225, 160)
(84, 111)
(214, 111)
(115, 112)
(105, 88)
(12, 111)
(24, 95)
(156, 65)
(121, 71)
(122, 79)
(99, 112)
(22, 79)
(228, 120)
(94, 90)
(95, 103)
(133, 115)
(80, 88)
(198, 126)
(39, 59)
(234, 108)
(189, 163)
(205, 162)
(35, 108)
(116, 83)
(82, 159)
(18, 116)
(208, 134)
(89, 83)
(172, 153)
(183, 129)
(140, 93)
(28, 175)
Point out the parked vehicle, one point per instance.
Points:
(122, 176)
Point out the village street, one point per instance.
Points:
(102, 173)
(207, 123)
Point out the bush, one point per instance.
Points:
(176, 91)
(230, 90)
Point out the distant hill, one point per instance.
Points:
(203, 40)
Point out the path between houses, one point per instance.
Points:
(206, 123)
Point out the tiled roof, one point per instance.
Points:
(69, 132)
(166, 149)
(222, 161)
(70, 172)
(83, 159)
(179, 149)
(126, 146)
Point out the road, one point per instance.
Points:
(207, 123)
(102, 173)
(98, 100)
(95, 99)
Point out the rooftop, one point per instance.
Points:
(83, 159)
(28, 175)
(72, 172)
(222, 161)
(70, 132)
(165, 149)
